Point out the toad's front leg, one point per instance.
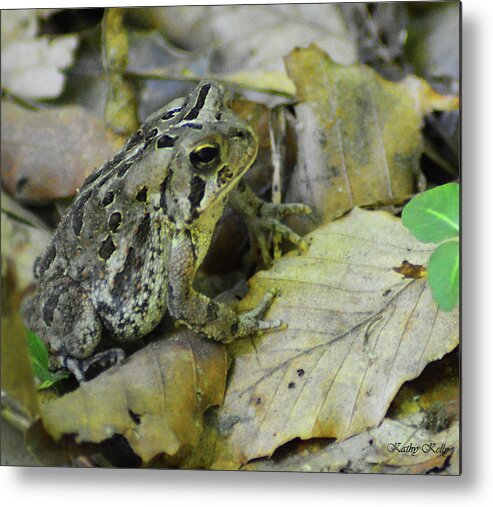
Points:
(264, 218)
(216, 320)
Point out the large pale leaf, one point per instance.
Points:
(356, 332)
(359, 136)
(253, 58)
(48, 154)
(155, 400)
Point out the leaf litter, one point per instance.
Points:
(155, 399)
(356, 332)
(359, 135)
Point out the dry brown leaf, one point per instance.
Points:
(156, 399)
(356, 332)
(48, 154)
(359, 136)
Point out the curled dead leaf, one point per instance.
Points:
(156, 399)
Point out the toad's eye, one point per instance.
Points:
(205, 156)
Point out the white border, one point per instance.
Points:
(122, 488)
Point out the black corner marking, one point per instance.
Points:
(166, 141)
(199, 104)
(106, 249)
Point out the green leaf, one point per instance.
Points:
(39, 359)
(433, 216)
(443, 275)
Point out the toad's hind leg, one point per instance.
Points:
(63, 316)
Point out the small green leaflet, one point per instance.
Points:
(443, 275)
(433, 217)
(39, 360)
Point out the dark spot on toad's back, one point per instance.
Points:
(115, 221)
(106, 249)
(45, 262)
(142, 195)
(152, 133)
(143, 230)
(49, 308)
(134, 140)
(199, 104)
(108, 198)
(196, 126)
(78, 212)
(122, 170)
(166, 141)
